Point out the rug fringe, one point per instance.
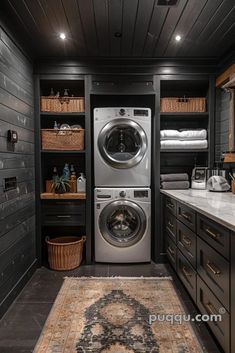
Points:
(120, 277)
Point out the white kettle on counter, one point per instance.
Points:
(81, 183)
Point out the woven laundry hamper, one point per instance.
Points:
(65, 253)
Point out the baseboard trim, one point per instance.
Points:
(12, 295)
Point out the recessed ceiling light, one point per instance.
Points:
(62, 36)
(178, 38)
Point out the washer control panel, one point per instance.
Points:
(109, 194)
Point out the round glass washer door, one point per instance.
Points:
(122, 223)
(122, 143)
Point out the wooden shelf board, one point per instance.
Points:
(63, 113)
(205, 114)
(67, 195)
(63, 152)
(183, 150)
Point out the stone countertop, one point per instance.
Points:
(219, 206)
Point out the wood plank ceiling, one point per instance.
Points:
(126, 28)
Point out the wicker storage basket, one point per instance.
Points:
(65, 253)
(183, 105)
(62, 104)
(66, 140)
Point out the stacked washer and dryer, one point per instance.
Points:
(122, 174)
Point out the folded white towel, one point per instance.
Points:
(175, 144)
(197, 134)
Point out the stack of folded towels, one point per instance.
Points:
(174, 181)
(184, 139)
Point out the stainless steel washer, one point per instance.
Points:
(122, 225)
(122, 146)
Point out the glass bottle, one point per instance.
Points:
(66, 172)
(54, 173)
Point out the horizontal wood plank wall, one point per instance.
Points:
(125, 67)
(17, 206)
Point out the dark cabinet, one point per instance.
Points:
(63, 213)
(186, 241)
(214, 270)
(214, 234)
(209, 305)
(170, 225)
(187, 216)
(170, 205)
(201, 254)
(187, 274)
(171, 251)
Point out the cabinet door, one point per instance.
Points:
(208, 304)
(170, 205)
(187, 216)
(170, 225)
(214, 234)
(214, 270)
(171, 251)
(187, 275)
(187, 243)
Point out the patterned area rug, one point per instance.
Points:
(112, 315)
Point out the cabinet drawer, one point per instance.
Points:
(63, 213)
(171, 251)
(63, 207)
(187, 216)
(187, 275)
(209, 305)
(170, 205)
(63, 219)
(187, 243)
(214, 234)
(170, 225)
(214, 270)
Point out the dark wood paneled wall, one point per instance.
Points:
(125, 66)
(17, 206)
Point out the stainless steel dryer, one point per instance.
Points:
(122, 146)
(122, 225)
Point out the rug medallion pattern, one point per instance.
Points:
(111, 315)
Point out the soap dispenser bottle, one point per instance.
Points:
(81, 183)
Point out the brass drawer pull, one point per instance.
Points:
(211, 234)
(185, 272)
(170, 225)
(64, 216)
(211, 309)
(171, 251)
(170, 205)
(213, 268)
(187, 217)
(186, 240)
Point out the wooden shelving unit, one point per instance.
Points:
(65, 196)
(189, 86)
(62, 214)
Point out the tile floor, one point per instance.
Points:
(23, 323)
